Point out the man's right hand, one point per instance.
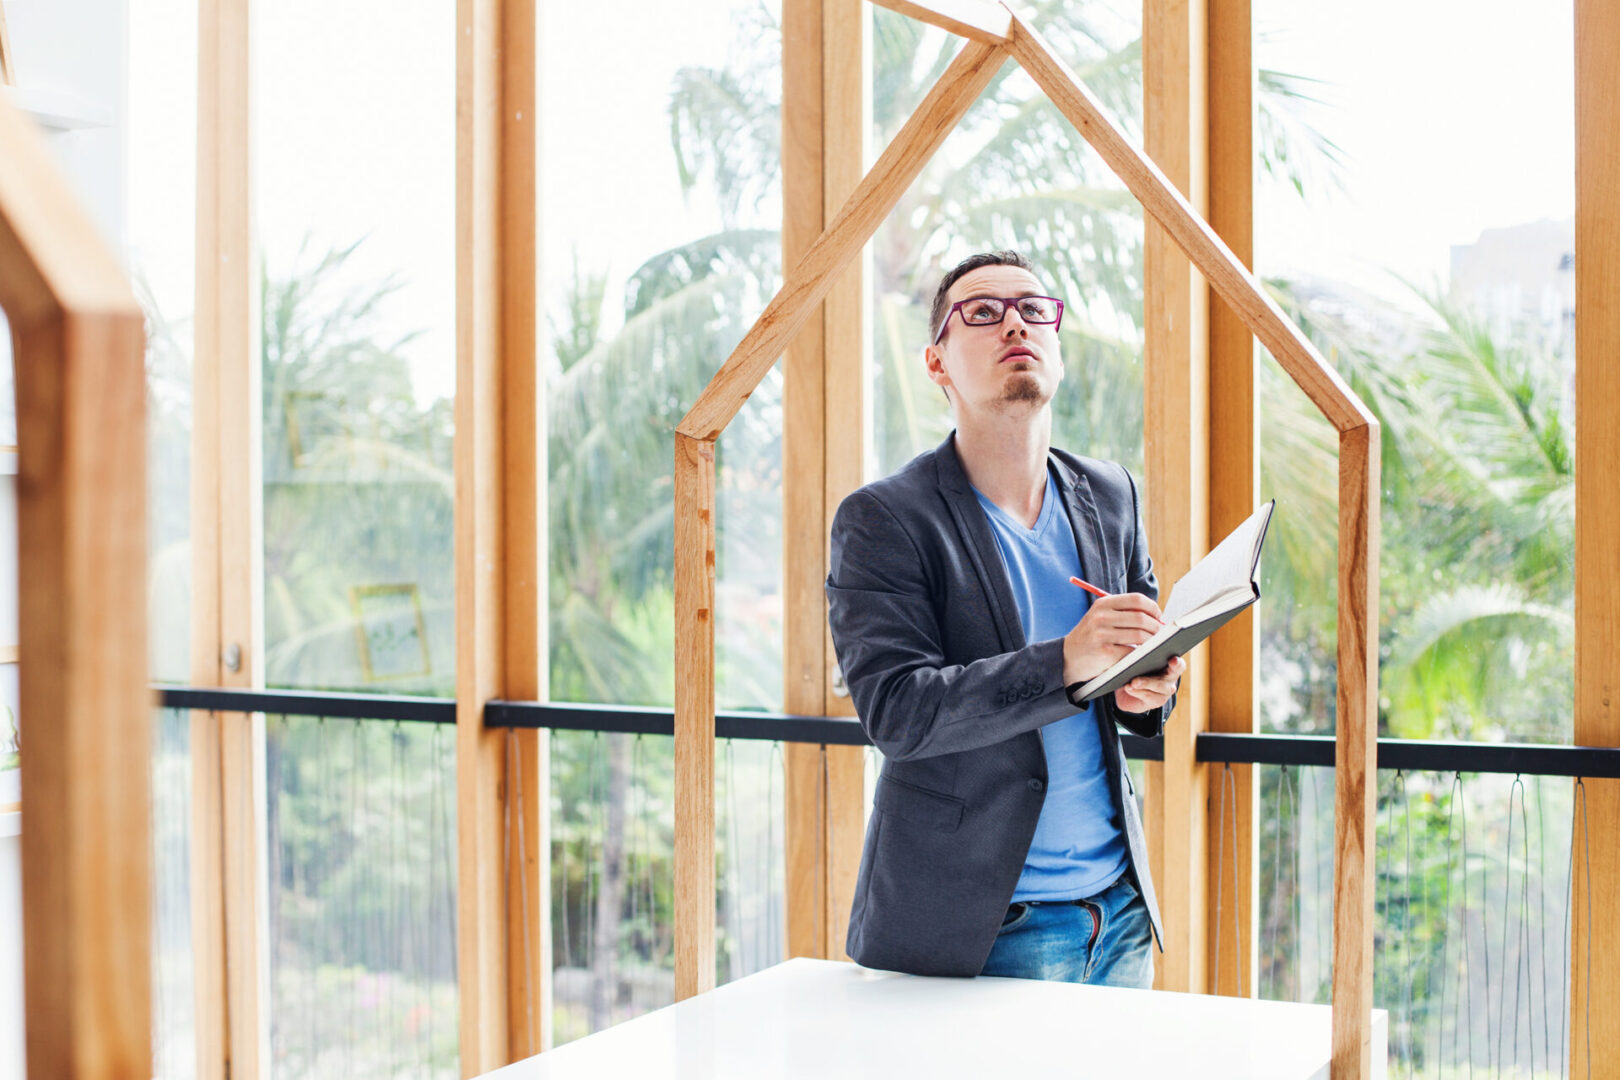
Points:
(1111, 628)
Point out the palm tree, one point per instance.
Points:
(1478, 523)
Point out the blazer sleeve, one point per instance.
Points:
(882, 613)
(1139, 579)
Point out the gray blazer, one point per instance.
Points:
(931, 647)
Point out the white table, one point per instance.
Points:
(815, 1019)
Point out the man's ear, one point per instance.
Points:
(934, 364)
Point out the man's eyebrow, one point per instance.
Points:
(991, 296)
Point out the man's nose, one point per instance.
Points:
(1013, 323)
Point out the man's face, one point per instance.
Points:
(1010, 367)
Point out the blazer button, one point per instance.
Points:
(1035, 784)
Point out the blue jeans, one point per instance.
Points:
(1104, 940)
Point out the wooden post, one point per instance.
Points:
(847, 343)
(1175, 384)
(81, 531)
(524, 637)
(694, 716)
(803, 448)
(1597, 518)
(823, 71)
(1234, 493)
(229, 908)
(1355, 788)
(502, 917)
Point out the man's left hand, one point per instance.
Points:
(1147, 692)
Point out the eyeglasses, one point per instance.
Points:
(990, 310)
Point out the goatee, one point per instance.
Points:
(1024, 388)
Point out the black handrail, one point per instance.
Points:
(1411, 755)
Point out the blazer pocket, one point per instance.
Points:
(919, 805)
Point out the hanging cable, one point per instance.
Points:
(1406, 921)
(354, 848)
(1507, 892)
(1541, 932)
(818, 867)
(735, 965)
(1286, 797)
(775, 922)
(515, 807)
(396, 887)
(560, 848)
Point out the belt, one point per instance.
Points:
(1092, 909)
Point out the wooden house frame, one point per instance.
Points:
(993, 34)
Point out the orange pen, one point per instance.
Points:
(1089, 587)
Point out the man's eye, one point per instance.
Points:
(983, 311)
(1036, 308)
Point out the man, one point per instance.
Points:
(1002, 840)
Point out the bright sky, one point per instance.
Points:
(1456, 117)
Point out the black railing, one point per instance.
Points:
(1526, 759)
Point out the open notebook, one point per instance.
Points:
(1224, 582)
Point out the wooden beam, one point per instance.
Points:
(972, 19)
(808, 283)
(694, 716)
(1163, 203)
(824, 71)
(81, 531)
(1234, 492)
(1355, 786)
(1175, 435)
(522, 478)
(484, 971)
(847, 342)
(803, 492)
(229, 873)
(86, 874)
(1597, 518)
(522, 564)
(51, 258)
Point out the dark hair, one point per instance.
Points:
(967, 266)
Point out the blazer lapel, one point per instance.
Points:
(1086, 525)
(981, 543)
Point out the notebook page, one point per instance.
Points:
(1226, 568)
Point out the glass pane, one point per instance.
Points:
(362, 869)
(660, 245)
(356, 208)
(1471, 932)
(174, 1036)
(612, 870)
(161, 253)
(1013, 174)
(1442, 286)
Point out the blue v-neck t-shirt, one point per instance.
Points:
(1078, 849)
